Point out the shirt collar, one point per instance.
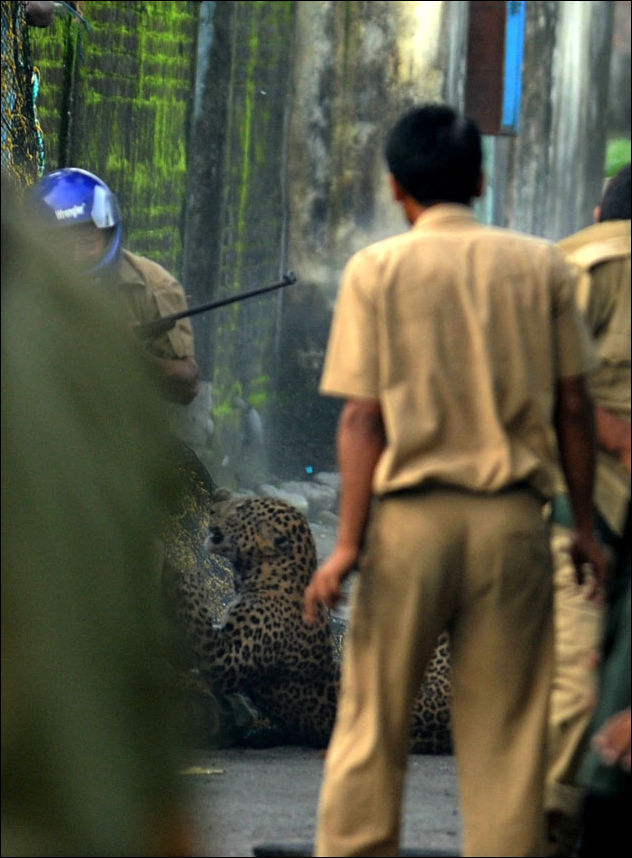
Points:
(442, 213)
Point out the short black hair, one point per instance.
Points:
(436, 155)
(615, 203)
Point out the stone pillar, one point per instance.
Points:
(236, 219)
(554, 170)
(579, 103)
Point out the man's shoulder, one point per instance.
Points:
(385, 246)
(505, 236)
(472, 232)
(597, 243)
(140, 267)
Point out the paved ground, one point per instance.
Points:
(243, 799)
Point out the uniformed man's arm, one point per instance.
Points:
(172, 353)
(601, 298)
(361, 441)
(575, 430)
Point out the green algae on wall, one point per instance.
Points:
(116, 100)
(237, 216)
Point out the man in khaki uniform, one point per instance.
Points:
(89, 229)
(602, 254)
(456, 345)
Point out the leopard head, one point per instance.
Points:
(260, 536)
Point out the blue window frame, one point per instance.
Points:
(512, 82)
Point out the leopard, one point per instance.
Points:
(263, 648)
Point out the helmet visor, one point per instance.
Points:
(105, 208)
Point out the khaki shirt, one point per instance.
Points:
(150, 292)
(602, 254)
(460, 330)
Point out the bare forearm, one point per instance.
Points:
(576, 436)
(575, 427)
(361, 441)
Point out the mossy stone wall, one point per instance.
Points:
(237, 218)
(116, 100)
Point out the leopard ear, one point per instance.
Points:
(219, 502)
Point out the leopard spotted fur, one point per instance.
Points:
(262, 647)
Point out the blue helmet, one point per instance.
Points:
(73, 196)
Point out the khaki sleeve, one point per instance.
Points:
(351, 368)
(596, 299)
(169, 298)
(574, 351)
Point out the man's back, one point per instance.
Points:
(472, 326)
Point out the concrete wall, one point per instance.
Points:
(357, 67)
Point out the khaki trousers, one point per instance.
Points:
(479, 566)
(578, 627)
